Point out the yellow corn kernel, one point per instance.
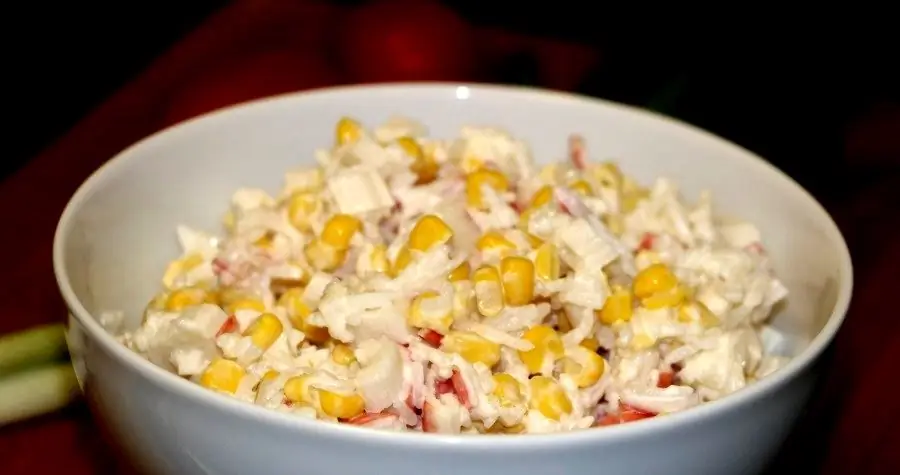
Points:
(379, 259)
(270, 375)
(547, 346)
(264, 331)
(429, 310)
(298, 314)
(297, 389)
(653, 279)
(549, 398)
(542, 196)
(339, 230)
(494, 241)
(470, 164)
(618, 307)
(473, 347)
(630, 200)
(429, 231)
(607, 175)
(584, 366)
(341, 406)
(507, 389)
(179, 267)
(698, 312)
(183, 298)
(582, 188)
(301, 208)
(667, 299)
(323, 256)
(590, 343)
(461, 272)
(228, 221)
(222, 375)
(642, 341)
(240, 303)
(525, 219)
(517, 275)
(342, 355)
(423, 164)
(615, 223)
(402, 261)
(476, 180)
(347, 131)
(488, 291)
(546, 262)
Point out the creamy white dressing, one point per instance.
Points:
(273, 313)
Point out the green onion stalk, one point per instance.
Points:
(36, 376)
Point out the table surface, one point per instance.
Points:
(849, 425)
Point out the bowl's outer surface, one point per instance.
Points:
(115, 238)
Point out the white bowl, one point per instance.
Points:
(117, 234)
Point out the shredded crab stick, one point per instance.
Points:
(452, 286)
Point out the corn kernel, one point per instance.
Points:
(642, 341)
(667, 299)
(546, 262)
(517, 274)
(183, 298)
(341, 406)
(542, 196)
(608, 175)
(264, 331)
(549, 398)
(584, 366)
(461, 272)
(618, 307)
(473, 347)
(245, 304)
(470, 164)
(615, 223)
(582, 188)
(507, 389)
(222, 375)
(591, 343)
(430, 310)
(343, 355)
(228, 221)
(494, 241)
(547, 346)
(525, 219)
(323, 256)
(379, 260)
(347, 131)
(339, 230)
(423, 164)
(488, 291)
(298, 314)
(653, 279)
(476, 180)
(630, 200)
(429, 231)
(179, 267)
(297, 389)
(301, 208)
(402, 261)
(270, 375)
